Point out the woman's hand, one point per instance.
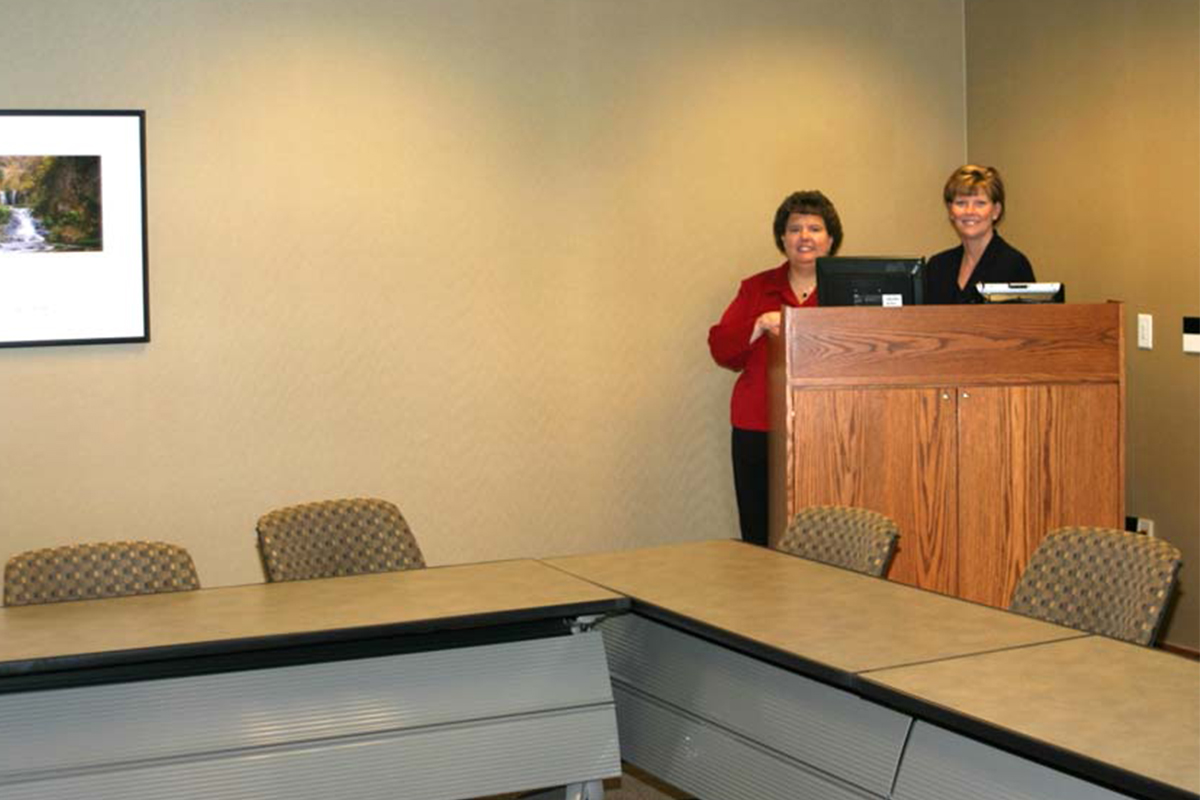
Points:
(767, 323)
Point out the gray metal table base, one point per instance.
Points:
(437, 725)
(726, 726)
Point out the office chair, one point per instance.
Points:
(1100, 580)
(852, 538)
(92, 571)
(333, 538)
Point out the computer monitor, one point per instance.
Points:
(870, 281)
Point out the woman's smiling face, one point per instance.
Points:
(805, 239)
(973, 215)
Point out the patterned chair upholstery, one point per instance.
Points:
(1099, 580)
(102, 569)
(852, 538)
(334, 538)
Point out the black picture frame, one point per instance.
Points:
(74, 256)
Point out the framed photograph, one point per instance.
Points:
(73, 266)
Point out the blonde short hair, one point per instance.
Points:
(972, 179)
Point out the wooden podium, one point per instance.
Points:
(976, 428)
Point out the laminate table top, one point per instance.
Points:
(817, 619)
(1124, 705)
(115, 631)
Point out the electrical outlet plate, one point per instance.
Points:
(1145, 526)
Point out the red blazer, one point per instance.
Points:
(729, 343)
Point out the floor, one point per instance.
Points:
(632, 785)
(637, 785)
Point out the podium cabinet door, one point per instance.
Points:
(1031, 459)
(889, 450)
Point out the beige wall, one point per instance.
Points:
(1091, 109)
(461, 254)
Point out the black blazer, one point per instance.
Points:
(1001, 263)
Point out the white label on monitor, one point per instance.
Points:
(893, 300)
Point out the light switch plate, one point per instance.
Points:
(1145, 332)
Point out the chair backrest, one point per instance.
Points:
(96, 570)
(333, 538)
(1099, 580)
(853, 538)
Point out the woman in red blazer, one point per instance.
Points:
(806, 227)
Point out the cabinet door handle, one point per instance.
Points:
(966, 395)
(945, 395)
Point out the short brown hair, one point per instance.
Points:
(809, 202)
(972, 179)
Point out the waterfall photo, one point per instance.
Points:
(73, 249)
(50, 204)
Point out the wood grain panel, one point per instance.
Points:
(780, 491)
(891, 451)
(1084, 484)
(1031, 458)
(993, 467)
(954, 345)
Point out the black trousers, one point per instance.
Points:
(750, 483)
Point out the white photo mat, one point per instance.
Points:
(90, 297)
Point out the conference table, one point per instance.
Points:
(747, 673)
(731, 671)
(447, 682)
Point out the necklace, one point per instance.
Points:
(802, 285)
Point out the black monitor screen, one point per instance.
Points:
(870, 281)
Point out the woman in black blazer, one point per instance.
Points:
(974, 198)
